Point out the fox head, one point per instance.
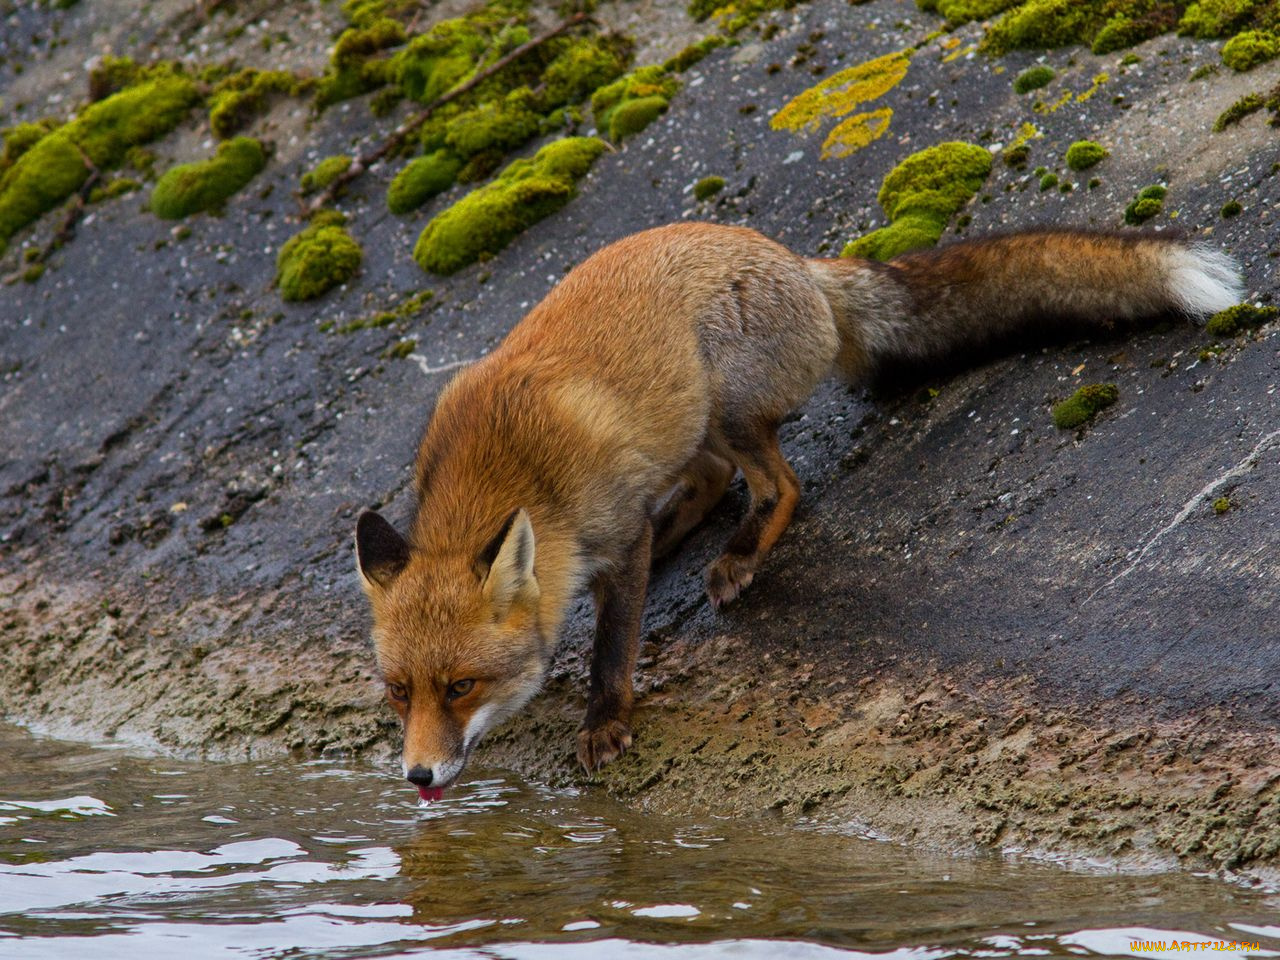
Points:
(457, 636)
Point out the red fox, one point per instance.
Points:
(616, 413)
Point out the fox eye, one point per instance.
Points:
(460, 688)
(397, 692)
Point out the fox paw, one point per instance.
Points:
(599, 745)
(727, 576)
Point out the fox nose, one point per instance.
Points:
(420, 776)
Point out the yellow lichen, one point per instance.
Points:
(1098, 81)
(850, 136)
(840, 95)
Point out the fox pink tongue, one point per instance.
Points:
(430, 793)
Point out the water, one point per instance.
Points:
(107, 855)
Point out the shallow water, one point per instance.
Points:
(104, 854)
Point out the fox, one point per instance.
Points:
(615, 415)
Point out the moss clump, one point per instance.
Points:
(421, 179)
(1148, 203)
(1246, 50)
(317, 259)
(207, 184)
(1033, 78)
(920, 195)
(359, 42)
(694, 53)
(1120, 32)
(708, 187)
(20, 138)
(1048, 181)
(1044, 23)
(33, 272)
(1232, 208)
(585, 65)
(701, 9)
(630, 103)
(1237, 319)
(1083, 405)
(1222, 505)
(487, 219)
(237, 99)
(1249, 103)
(1211, 19)
(436, 60)
(632, 116)
(1084, 154)
(114, 188)
(494, 127)
(960, 12)
(54, 168)
(324, 173)
(400, 350)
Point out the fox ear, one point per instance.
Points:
(509, 556)
(381, 553)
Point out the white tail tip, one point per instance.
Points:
(1203, 280)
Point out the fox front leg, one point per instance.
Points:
(606, 730)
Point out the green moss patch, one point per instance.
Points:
(438, 59)
(1249, 103)
(319, 258)
(631, 103)
(1084, 154)
(421, 179)
(494, 127)
(1237, 319)
(1033, 78)
(53, 168)
(920, 195)
(324, 173)
(582, 67)
(117, 187)
(488, 218)
(208, 184)
(1083, 405)
(237, 99)
(708, 187)
(1246, 50)
(1147, 204)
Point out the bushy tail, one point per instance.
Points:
(949, 301)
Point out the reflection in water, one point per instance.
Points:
(107, 855)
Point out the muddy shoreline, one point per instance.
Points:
(982, 632)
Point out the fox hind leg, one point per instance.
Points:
(701, 486)
(774, 492)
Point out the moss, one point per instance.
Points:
(33, 272)
(1231, 208)
(421, 179)
(53, 168)
(324, 173)
(20, 138)
(1018, 152)
(436, 60)
(694, 53)
(1237, 319)
(111, 75)
(1246, 50)
(584, 65)
(207, 184)
(1211, 19)
(114, 188)
(960, 12)
(708, 187)
(632, 116)
(1222, 505)
(400, 350)
(238, 98)
(1084, 154)
(1083, 405)
(1148, 203)
(1040, 24)
(384, 318)
(639, 97)
(317, 259)
(487, 219)
(357, 43)
(1246, 105)
(920, 195)
(1120, 32)
(1048, 181)
(1033, 78)
(701, 9)
(494, 127)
